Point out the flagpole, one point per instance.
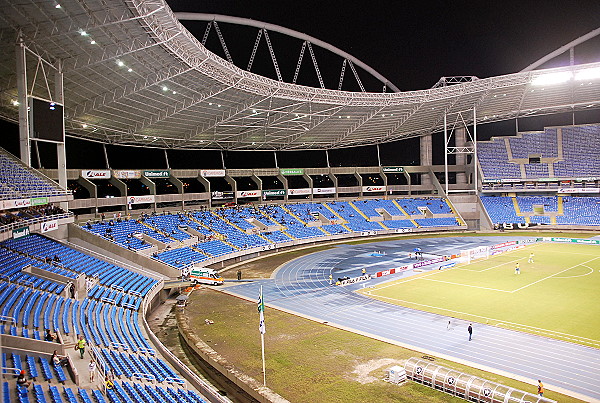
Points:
(262, 340)
(262, 335)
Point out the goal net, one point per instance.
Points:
(468, 255)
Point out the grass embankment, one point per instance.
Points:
(311, 362)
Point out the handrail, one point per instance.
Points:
(32, 221)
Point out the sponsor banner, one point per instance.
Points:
(291, 171)
(367, 189)
(395, 270)
(355, 280)
(447, 266)
(20, 232)
(428, 262)
(323, 191)
(578, 190)
(398, 170)
(212, 173)
(527, 241)
(157, 173)
(219, 195)
(504, 244)
(491, 181)
(140, 199)
(294, 192)
(18, 203)
(402, 230)
(367, 233)
(248, 193)
(547, 180)
(511, 180)
(95, 174)
(37, 201)
(127, 174)
(276, 192)
(574, 240)
(48, 226)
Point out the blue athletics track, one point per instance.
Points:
(302, 287)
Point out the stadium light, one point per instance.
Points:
(552, 78)
(587, 74)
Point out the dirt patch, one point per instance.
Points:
(372, 370)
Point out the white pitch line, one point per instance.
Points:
(580, 275)
(499, 321)
(467, 285)
(555, 274)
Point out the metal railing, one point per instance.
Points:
(32, 221)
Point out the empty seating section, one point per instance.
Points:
(501, 209)
(227, 230)
(17, 181)
(580, 211)
(182, 257)
(356, 221)
(435, 205)
(581, 152)
(493, 159)
(566, 152)
(39, 247)
(576, 210)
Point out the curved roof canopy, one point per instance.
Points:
(134, 75)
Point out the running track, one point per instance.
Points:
(301, 287)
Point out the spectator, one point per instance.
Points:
(22, 380)
(58, 360)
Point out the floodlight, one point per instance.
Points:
(92, 42)
(129, 70)
(587, 74)
(57, 6)
(164, 88)
(552, 78)
(120, 63)
(84, 126)
(83, 33)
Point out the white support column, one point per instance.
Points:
(475, 160)
(378, 156)
(24, 144)
(60, 147)
(446, 153)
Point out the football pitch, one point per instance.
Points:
(558, 295)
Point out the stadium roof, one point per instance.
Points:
(134, 75)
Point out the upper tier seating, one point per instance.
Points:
(18, 182)
(566, 152)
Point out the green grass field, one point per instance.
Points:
(556, 296)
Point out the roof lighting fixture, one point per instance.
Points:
(52, 106)
(57, 6)
(84, 125)
(219, 105)
(552, 78)
(120, 63)
(174, 92)
(164, 88)
(587, 74)
(83, 33)
(92, 42)
(14, 102)
(253, 110)
(129, 70)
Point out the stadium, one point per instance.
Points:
(429, 244)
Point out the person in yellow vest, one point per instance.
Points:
(80, 345)
(540, 388)
(364, 271)
(530, 260)
(517, 268)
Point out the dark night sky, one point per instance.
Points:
(413, 44)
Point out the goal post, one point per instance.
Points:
(480, 252)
